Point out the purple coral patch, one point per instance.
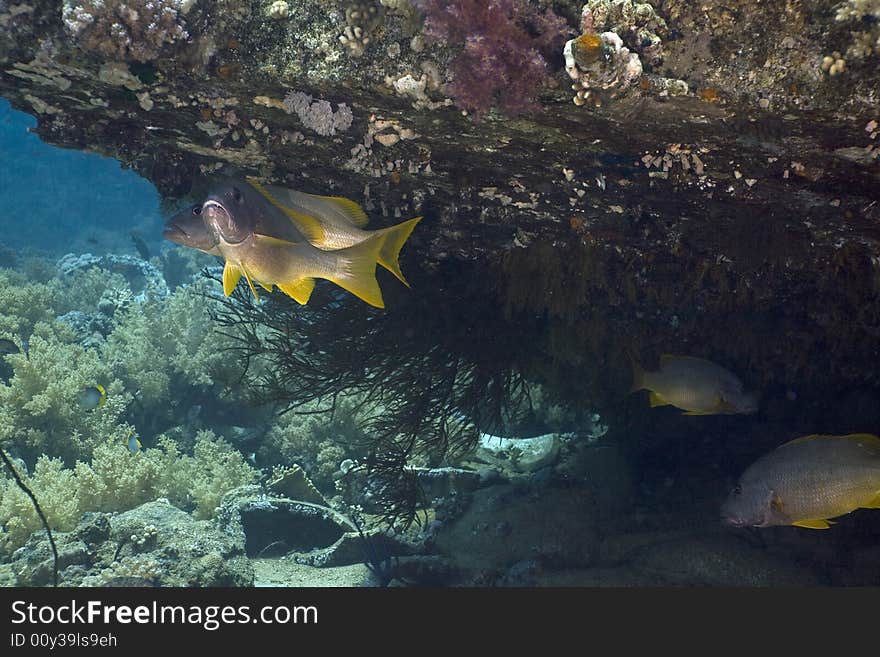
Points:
(504, 46)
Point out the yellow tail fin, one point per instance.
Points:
(395, 237)
(357, 270)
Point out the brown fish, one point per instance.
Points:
(695, 385)
(806, 481)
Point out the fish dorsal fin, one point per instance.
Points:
(866, 439)
(657, 400)
(299, 290)
(268, 240)
(307, 224)
(819, 523)
(231, 274)
(803, 439)
(352, 211)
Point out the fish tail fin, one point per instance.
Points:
(638, 374)
(356, 270)
(394, 239)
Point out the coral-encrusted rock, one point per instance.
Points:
(156, 544)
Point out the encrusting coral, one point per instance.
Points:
(127, 29)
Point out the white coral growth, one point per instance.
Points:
(855, 10)
(318, 115)
(127, 29)
(865, 42)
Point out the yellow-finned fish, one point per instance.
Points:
(695, 385)
(333, 222)
(92, 397)
(262, 244)
(134, 445)
(806, 481)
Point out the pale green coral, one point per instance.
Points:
(23, 304)
(313, 441)
(18, 520)
(169, 345)
(117, 480)
(39, 407)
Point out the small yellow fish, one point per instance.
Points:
(695, 385)
(92, 397)
(806, 481)
(134, 445)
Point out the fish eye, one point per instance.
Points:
(737, 490)
(197, 210)
(236, 195)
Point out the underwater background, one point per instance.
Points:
(515, 408)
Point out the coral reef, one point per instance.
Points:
(315, 442)
(154, 544)
(127, 29)
(156, 360)
(504, 46)
(117, 480)
(637, 24)
(142, 275)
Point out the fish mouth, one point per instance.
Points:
(174, 233)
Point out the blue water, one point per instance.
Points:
(59, 201)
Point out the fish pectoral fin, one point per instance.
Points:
(394, 239)
(813, 524)
(231, 275)
(250, 283)
(638, 373)
(873, 503)
(307, 224)
(657, 400)
(299, 290)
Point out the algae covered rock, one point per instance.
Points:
(508, 523)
